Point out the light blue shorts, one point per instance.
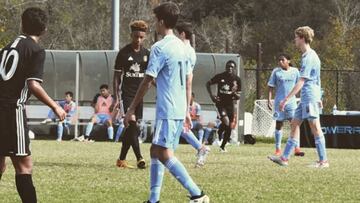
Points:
(309, 110)
(285, 115)
(167, 133)
(102, 118)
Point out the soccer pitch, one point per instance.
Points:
(86, 172)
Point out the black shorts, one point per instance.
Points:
(226, 110)
(14, 132)
(139, 109)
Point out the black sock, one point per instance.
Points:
(134, 137)
(0, 175)
(227, 135)
(221, 130)
(25, 188)
(126, 143)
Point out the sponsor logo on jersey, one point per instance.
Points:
(130, 58)
(145, 58)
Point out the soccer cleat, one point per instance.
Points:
(222, 150)
(141, 164)
(298, 152)
(277, 152)
(279, 160)
(200, 199)
(58, 139)
(320, 164)
(123, 164)
(202, 154)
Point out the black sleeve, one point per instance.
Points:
(215, 79)
(147, 58)
(119, 62)
(35, 69)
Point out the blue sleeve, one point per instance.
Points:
(272, 79)
(156, 62)
(305, 68)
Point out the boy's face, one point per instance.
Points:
(283, 62)
(138, 38)
(104, 92)
(298, 41)
(230, 68)
(68, 98)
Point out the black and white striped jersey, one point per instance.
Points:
(21, 60)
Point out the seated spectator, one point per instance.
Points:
(70, 108)
(103, 104)
(195, 112)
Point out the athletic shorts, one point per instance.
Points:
(102, 118)
(226, 110)
(310, 111)
(14, 132)
(167, 133)
(285, 115)
(139, 109)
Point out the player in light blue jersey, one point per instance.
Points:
(184, 30)
(170, 66)
(309, 107)
(283, 79)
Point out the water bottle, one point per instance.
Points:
(334, 111)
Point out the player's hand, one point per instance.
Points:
(60, 113)
(215, 99)
(282, 105)
(187, 124)
(270, 105)
(321, 105)
(129, 116)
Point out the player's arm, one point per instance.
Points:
(270, 93)
(208, 88)
(293, 92)
(36, 89)
(140, 93)
(189, 78)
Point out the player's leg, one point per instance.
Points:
(227, 132)
(133, 131)
(289, 114)
(2, 165)
(278, 137)
(110, 129)
(23, 178)
(119, 131)
(190, 138)
(60, 130)
(90, 126)
(199, 128)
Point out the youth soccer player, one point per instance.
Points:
(184, 32)
(130, 66)
(103, 104)
(169, 64)
(283, 79)
(229, 87)
(21, 71)
(309, 107)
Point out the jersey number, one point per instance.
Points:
(5, 59)
(182, 75)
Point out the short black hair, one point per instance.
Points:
(186, 28)
(69, 93)
(168, 12)
(34, 21)
(104, 86)
(287, 56)
(230, 61)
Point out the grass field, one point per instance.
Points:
(86, 172)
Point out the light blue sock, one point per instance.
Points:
(290, 144)
(207, 132)
(201, 135)
(110, 131)
(191, 139)
(119, 132)
(89, 128)
(321, 147)
(156, 178)
(278, 136)
(60, 130)
(179, 172)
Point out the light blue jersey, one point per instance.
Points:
(192, 55)
(310, 70)
(169, 64)
(284, 81)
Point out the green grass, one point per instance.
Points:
(86, 172)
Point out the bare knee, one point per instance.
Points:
(22, 165)
(279, 125)
(315, 127)
(161, 153)
(2, 165)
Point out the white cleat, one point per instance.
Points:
(202, 199)
(320, 164)
(278, 160)
(202, 154)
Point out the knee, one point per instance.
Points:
(279, 125)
